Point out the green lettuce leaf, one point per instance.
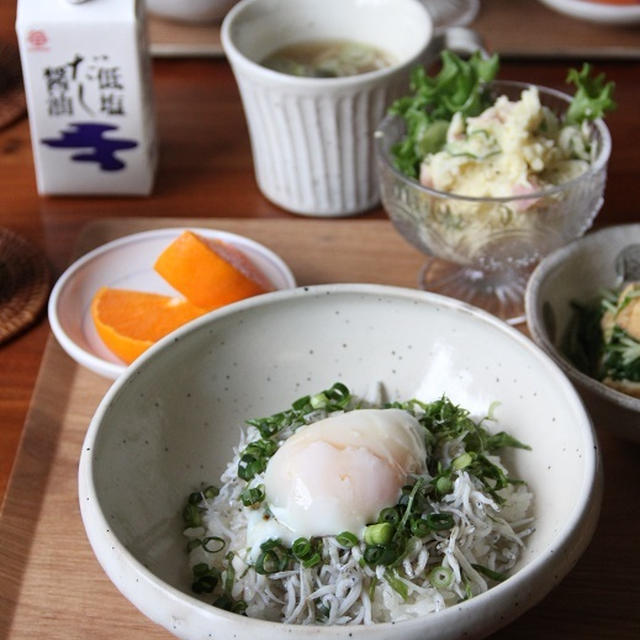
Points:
(593, 96)
(428, 109)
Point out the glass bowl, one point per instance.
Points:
(481, 250)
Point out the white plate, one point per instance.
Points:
(596, 11)
(127, 263)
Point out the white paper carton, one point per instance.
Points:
(87, 79)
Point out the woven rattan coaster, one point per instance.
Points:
(24, 283)
(12, 100)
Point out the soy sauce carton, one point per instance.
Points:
(87, 78)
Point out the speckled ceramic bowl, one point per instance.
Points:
(170, 422)
(579, 272)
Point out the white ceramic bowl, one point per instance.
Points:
(128, 263)
(579, 272)
(171, 421)
(594, 11)
(311, 138)
(190, 10)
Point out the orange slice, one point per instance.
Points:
(128, 322)
(209, 273)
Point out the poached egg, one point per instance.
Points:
(337, 474)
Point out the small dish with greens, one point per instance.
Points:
(603, 338)
(582, 306)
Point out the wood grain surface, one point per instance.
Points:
(51, 586)
(206, 173)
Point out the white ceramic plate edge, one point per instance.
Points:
(596, 12)
(113, 369)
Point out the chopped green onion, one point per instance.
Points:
(419, 527)
(462, 461)
(380, 533)
(223, 601)
(301, 548)
(274, 557)
(267, 562)
(319, 401)
(468, 592)
(416, 487)
(502, 439)
(271, 543)
(312, 560)
(441, 577)
(372, 587)
(301, 403)
(396, 584)
(213, 544)
(386, 554)
(334, 399)
(249, 466)
(347, 539)
(192, 515)
(205, 584)
(439, 521)
(200, 569)
(206, 578)
(252, 497)
(489, 573)
(254, 458)
(211, 492)
(239, 606)
(390, 514)
(229, 574)
(372, 555)
(339, 395)
(444, 485)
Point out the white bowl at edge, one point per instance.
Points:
(579, 272)
(171, 421)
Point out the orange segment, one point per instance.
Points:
(128, 322)
(209, 273)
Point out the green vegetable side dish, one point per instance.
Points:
(456, 528)
(461, 87)
(602, 338)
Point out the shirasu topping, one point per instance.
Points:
(458, 527)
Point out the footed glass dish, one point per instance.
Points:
(482, 250)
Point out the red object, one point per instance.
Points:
(37, 38)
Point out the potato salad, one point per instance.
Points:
(513, 148)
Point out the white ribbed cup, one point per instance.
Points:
(312, 138)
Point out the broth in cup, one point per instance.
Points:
(328, 59)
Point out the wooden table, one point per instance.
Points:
(206, 171)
